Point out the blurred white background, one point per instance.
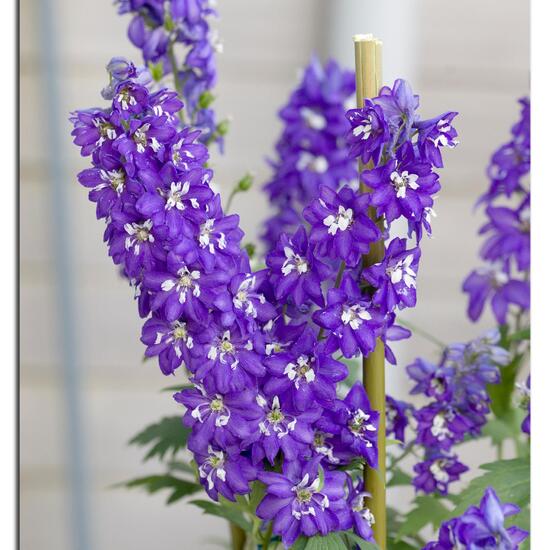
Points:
(79, 327)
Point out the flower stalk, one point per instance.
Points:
(368, 71)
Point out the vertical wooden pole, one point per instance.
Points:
(368, 72)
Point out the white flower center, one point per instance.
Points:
(293, 262)
(354, 315)
(401, 181)
(341, 221)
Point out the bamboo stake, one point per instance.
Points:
(368, 72)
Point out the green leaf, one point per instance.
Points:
(166, 436)
(256, 495)
(509, 478)
(524, 334)
(356, 540)
(399, 477)
(505, 427)
(299, 544)
(332, 541)
(223, 511)
(179, 488)
(428, 510)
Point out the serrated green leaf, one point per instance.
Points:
(230, 513)
(332, 541)
(509, 478)
(355, 540)
(179, 488)
(165, 437)
(428, 510)
(299, 544)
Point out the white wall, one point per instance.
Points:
(469, 56)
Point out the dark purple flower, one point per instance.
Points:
(481, 527)
(305, 373)
(509, 235)
(434, 134)
(441, 426)
(225, 473)
(183, 289)
(435, 473)
(361, 516)
(295, 269)
(397, 417)
(402, 187)
(217, 420)
(369, 132)
(245, 303)
(353, 321)
(356, 423)
(92, 127)
(301, 502)
(231, 361)
(394, 278)
(490, 283)
(280, 428)
(171, 341)
(341, 228)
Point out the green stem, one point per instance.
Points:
(267, 537)
(423, 333)
(230, 200)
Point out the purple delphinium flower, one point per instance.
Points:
(481, 527)
(441, 426)
(341, 228)
(245, 303)
(491, 283)
(436, 133)
(231, 361)
(394, 278)
(509, 236)
(362, 518)
(402, 187)
(356, 423)
(399, 105)
(397, 417)
(353, 321)
(220, 420)
(299, 502)
(311, 150)
(296, 272)
(369, 132)
(306, 373)
(435, 473)
(225, 472)
(280, 428)
(171, 341)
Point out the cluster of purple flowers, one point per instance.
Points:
(480, 527)
(312, 148)
(158, 28)
(459, 406)
(504, 281)
(262, 348)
